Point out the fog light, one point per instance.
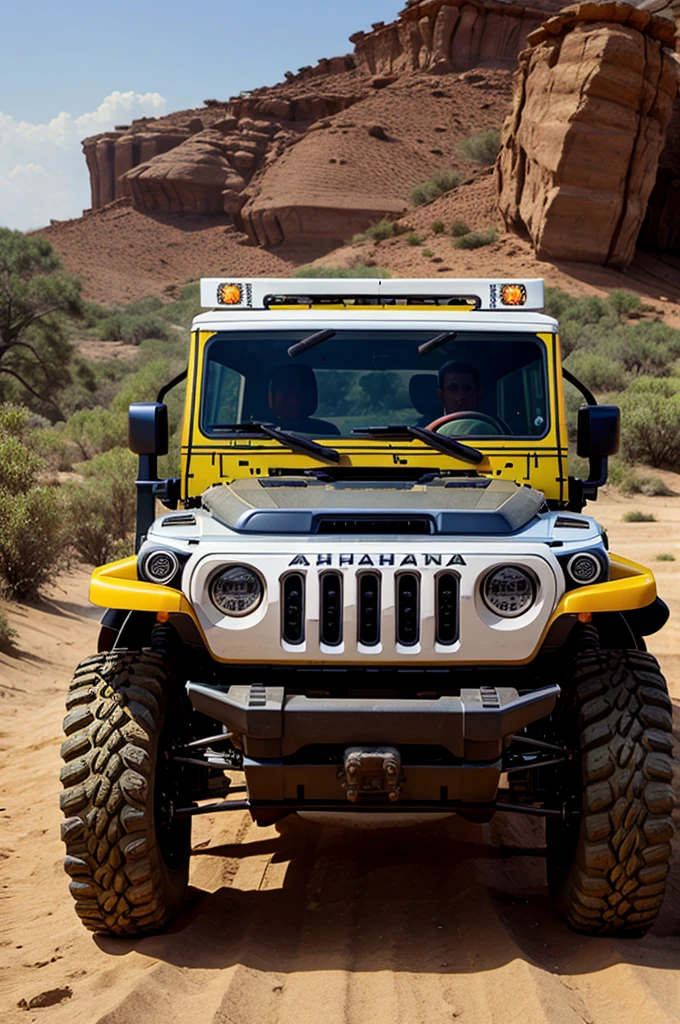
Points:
(237, 590)
(584, 568)
(160, 566)
(509, 591)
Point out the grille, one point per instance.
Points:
(408, 609)
(331, 610)
(371, 609)
(293, 608)
(446, 608)
(368, 625)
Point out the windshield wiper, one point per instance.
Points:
(436, 342)
(310, 342)
(296, 443)
(441, 442)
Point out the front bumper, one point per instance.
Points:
(294, 746)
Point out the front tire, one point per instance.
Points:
(608, 861)
(128, 860)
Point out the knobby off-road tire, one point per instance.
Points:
(607, 869)
(127, 861)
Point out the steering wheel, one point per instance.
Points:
(470, 414)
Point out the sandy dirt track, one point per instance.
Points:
(304, 924)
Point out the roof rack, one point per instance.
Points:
(461, 295)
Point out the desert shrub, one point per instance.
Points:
(459, 228)
(7, 634)
(483, 148)
(633, 482)
(132, 327)
(413, 239)
(642, 350)
(432, 188)
(650, 422)
(665, 557)
(597, 371)
(438, 227)
(357, 269)
(93, 431)
(623, 302)
(476, 239)
(428, 254)
(32, 540)
(103, 506)
(385, 228)
(31, 518)
(636, 516)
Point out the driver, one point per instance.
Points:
(459, 392)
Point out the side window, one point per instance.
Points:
(521, 400)
(223, 395)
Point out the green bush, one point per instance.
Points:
(476, 239)
(32, 541)
(123, 325)
(665, 557)
(356, 269)
(432, 188)
(428, 254)
(385, 228)
(632, 482)
(103, 506)
(635, 516)
(597, 371)
(7, 634)
(459, 228)
(438, 227)
(483, 148)
(413, 239)
(650, 422)
(623, 302)
(97, 430)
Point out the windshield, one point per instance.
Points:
(487, 384)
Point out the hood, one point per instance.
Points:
(297, 505)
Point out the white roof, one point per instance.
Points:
(485, 294)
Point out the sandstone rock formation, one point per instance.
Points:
(593, 98)
(445, 35)
(661, 230)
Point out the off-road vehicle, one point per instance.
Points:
(373, 590)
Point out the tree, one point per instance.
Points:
(35, 293)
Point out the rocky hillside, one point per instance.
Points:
(590, 165)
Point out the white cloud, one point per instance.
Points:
(42, 167)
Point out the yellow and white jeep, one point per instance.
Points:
(373, 590)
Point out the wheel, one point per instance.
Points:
(499, 425)
(608, 860)
(127, 859)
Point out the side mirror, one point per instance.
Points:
(599, 429)
(148, 432)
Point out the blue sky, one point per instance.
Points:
(73, 69)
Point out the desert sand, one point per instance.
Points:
(310, 924)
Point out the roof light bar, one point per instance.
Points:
(461, 295)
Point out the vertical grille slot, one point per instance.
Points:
(446, 603)
(330, 612)
(408, 609)
(368, 629)
(293, 608)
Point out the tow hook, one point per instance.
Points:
(371, 772)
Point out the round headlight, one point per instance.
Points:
(584, 568)
(160, 566)
(509, 591)
(237, 590)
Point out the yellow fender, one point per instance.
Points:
(631, 586)
(116, 586)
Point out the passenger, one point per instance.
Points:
(293, 398)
